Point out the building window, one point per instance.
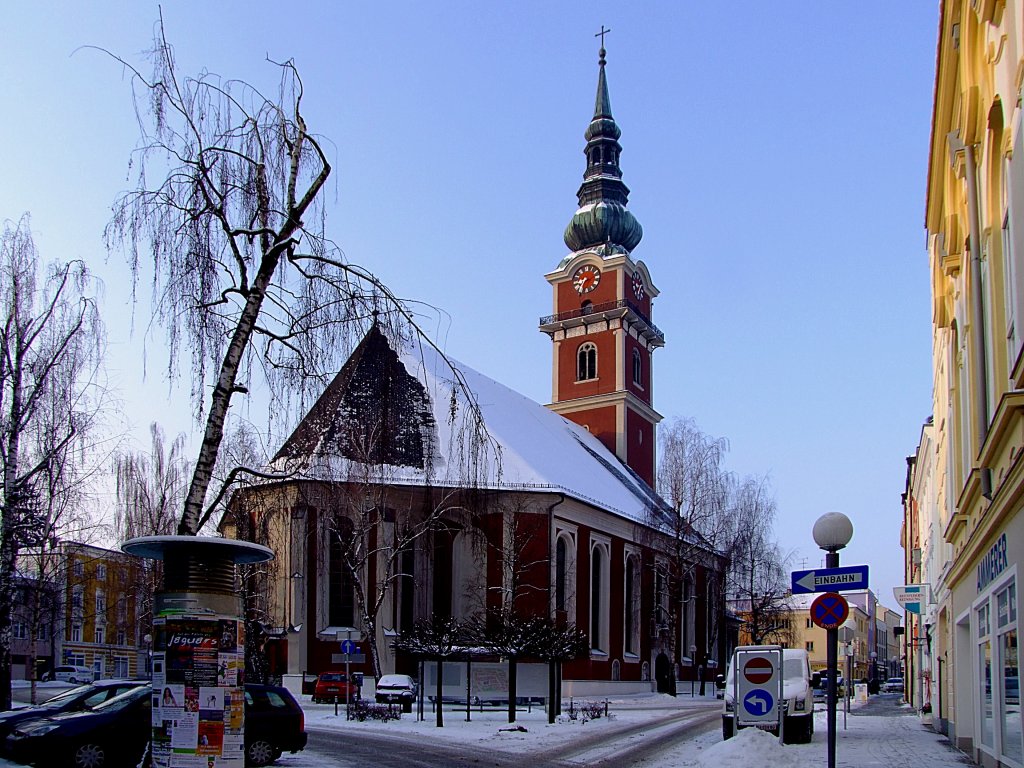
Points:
(341, 595)
(101, 635)
(586, 362)
(76, 633)
(561, 564)
(121, 666)
(587, 307)
(596, 598)
(76, 659)
(600, 587)
(121, 637)
(686, 626)
(101, 605)
(42, 632)
(632, 605)
(660, 598)
(77, 601)
(638, 368)
(79, 568)
(19, 631)
(808, 623)
(101, 572)
(809, 646)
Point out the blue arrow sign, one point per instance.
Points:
(758, 702)
(347, 646)
(831, 579)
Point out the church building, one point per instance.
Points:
(417, 487)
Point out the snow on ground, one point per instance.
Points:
(868, 740)
(491, 729)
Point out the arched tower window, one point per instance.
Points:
(586, 362)
(638, 368)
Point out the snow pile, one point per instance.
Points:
(751, 746)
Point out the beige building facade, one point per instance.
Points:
(963, 529)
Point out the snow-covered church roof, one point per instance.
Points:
(414, 418)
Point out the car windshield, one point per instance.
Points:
(125, 699)
(63, 697)
(333, 677)
(793, 668)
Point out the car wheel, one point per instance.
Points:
(89, 755)
(260, 753)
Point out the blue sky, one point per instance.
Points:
(776, 154)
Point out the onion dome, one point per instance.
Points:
(602, 218)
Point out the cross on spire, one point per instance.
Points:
(601, 34)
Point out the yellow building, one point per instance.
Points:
(975, 223)
(101, 598)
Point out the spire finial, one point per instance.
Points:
(602, 53)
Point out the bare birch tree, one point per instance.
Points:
(243, 272)
(693, 480)
(51, 346)
(759, 583)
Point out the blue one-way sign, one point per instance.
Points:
(831, 579)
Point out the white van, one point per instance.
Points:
(798, 718)
(70, 674)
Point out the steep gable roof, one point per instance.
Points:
(410, 417)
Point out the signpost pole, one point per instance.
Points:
(348, 677)
(832, 531)
(832, 641)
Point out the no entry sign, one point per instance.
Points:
(758, 670)
(830, 610)
(758, 685)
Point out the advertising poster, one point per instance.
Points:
(198, 696)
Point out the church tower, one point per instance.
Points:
(601, 330)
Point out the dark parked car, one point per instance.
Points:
(274, 723)
(115, 732)
(72, 700)
(391, 688)
(112, 733)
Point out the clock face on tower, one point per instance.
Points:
(586, 278)
(638, 285)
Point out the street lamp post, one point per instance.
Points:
(832, 531)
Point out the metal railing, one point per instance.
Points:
(596, 309)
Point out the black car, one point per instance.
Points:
(73, 700)
(112, 733)
(116, 732)
(274, 723)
